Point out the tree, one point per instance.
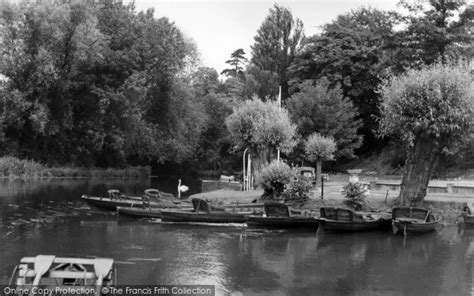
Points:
(431, 110)
(253, 82)
(237, 61)
(262, 127)
(350, 52)
(215, 144)
(277, 42)
(80, 89)
(205, 81)
(318, 107)
(440, 31)
(319, 148)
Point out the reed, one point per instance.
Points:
(12, 167)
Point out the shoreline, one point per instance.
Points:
(447, 206)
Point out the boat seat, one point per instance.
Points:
(470, 208)
(411, 213)
(340, 214)
(200, 205)
(276, 209)
(114, 193)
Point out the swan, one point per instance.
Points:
(181, 188)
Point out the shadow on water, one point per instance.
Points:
(49, 218)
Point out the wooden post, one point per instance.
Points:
(322, 187)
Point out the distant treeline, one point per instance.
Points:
(108, 86)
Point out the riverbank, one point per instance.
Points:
(15, 168)
(447, 206)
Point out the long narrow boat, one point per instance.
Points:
(413, 220)
(334, 219)
(279, 215)
(145, 212)
(204, 213)
(116, 199)
(69, 275)
(155, 212)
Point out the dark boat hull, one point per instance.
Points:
(283, 222)
(328, 225)
(413, 220)
(139, 212)
(111, 204)
(214, 217)
(413, 226)
(468, 221)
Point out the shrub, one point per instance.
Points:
(274, 177)
(13, 167)
(298, 189)
(355, 194)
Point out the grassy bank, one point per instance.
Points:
(12, 168)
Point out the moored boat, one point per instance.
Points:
(152, 198)
(413, 220)
(202, 212)
(144, 212)
(468, 215)
(81, 275)
(333, 219)
(279, 215)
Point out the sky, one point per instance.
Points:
(220, 27)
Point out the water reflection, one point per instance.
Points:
(49, 218)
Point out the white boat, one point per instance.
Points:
(60, 275)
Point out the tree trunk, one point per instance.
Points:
(418, 168)
(319, 165)
(441, 171)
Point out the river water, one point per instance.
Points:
(48, 217)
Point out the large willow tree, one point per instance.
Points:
(431, 110)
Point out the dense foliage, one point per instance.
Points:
(274, 177)
(355, 194)
(319, 107)
(80, 88)
(298, 189)
(318, 147)
(431, 110)
(261, 125)
(101, 84)
(277, 42)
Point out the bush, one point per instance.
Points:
(274, 177)
(355, 194)
(12, 167)
(298, 189)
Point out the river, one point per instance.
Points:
(48, 217)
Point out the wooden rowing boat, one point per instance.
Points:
(279, 215)
(334, 219)
(467, 215)
(145, 212)
(78, 274)
(413, 220)
(150, 199)
(204, 213)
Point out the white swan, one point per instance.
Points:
(181, 188)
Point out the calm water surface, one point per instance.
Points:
(49, 218)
